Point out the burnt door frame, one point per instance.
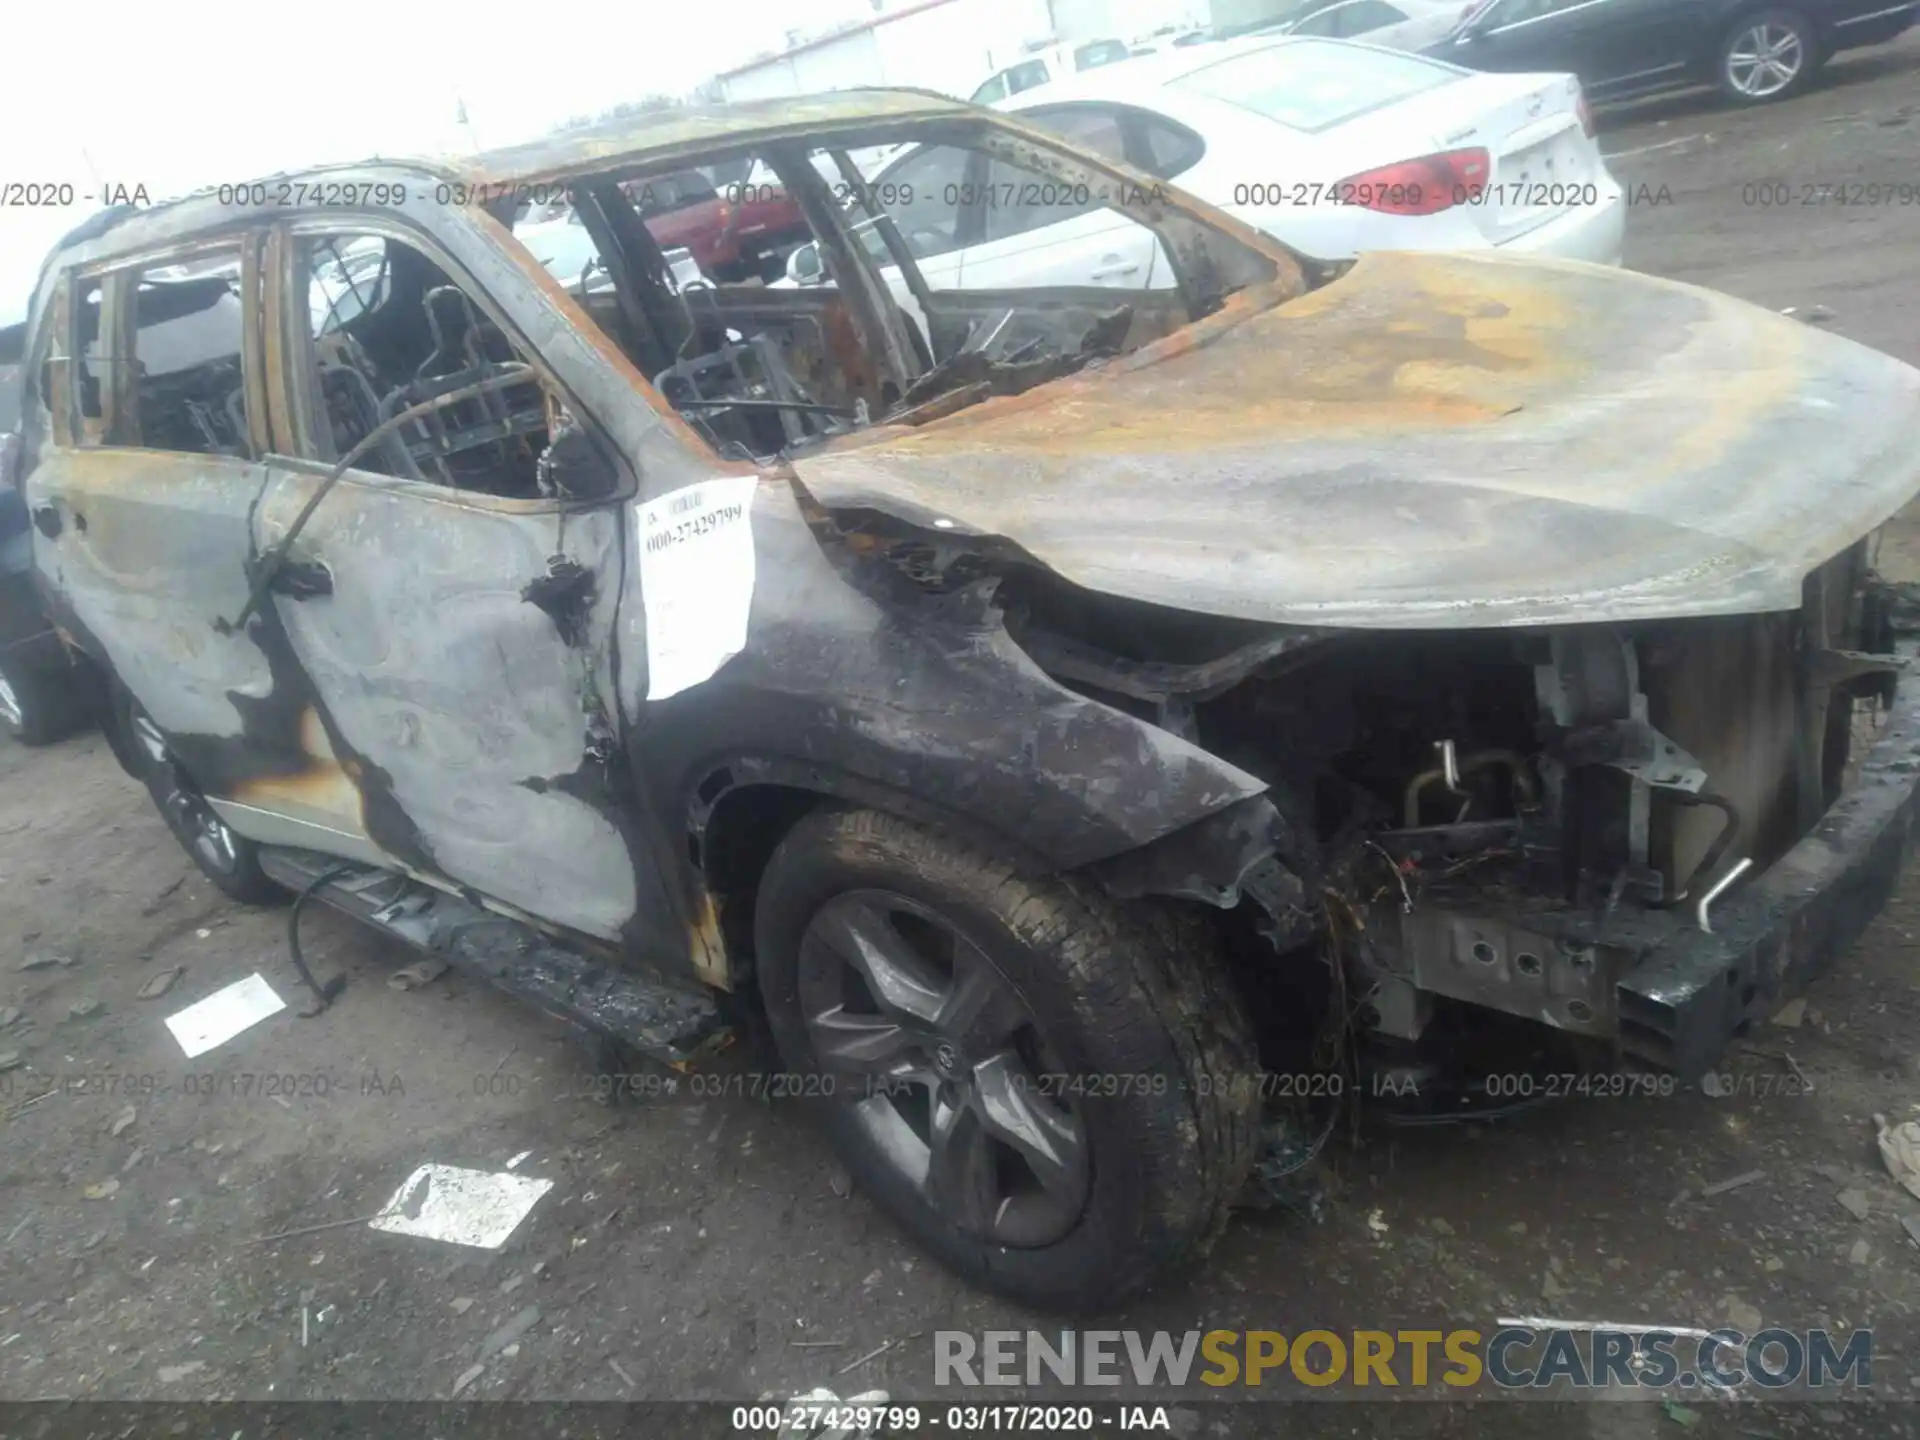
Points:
(480, 733)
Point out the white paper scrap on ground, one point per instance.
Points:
(696, 579)
(224, 1014)
(462, 1207)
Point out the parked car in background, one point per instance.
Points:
(742, 227)
(1752, 50)
(1170, 38)
(1049, 65)
(1397, 24)
(1332, 148)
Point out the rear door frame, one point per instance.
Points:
(195, 686)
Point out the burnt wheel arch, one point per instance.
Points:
(739, 812)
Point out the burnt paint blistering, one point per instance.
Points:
(1435, 441)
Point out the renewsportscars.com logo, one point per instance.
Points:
(1539, 1356)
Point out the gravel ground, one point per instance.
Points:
(701, 1245)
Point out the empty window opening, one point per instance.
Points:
(391, 331)
(780, 299)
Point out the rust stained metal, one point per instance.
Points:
(63, 382)
(844, 355)
(870, 307)
(281, 425)
(1415, 350)
(119, 422)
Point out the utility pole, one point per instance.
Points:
(460, 118)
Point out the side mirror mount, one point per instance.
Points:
(804, 265)
(577, 467)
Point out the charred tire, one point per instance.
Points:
(1067, 1106)
(38, 707)
(1767, 55)
(230, 861)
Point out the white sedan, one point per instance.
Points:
(1333, 148)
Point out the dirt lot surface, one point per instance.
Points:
(700, 1245)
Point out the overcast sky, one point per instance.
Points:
(227, 90)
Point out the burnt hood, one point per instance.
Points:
(1430, 442)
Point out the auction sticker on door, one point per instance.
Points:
(696, 579)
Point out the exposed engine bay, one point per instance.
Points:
(1510, 819)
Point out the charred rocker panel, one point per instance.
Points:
(161, 556)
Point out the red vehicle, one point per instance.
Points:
(746, 231)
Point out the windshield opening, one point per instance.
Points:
(874, 277)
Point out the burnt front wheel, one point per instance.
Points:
(1051, 1092)
(230, 861)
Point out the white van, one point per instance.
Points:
(1045, 66)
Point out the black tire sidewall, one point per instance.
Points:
(49, 710)
(1138, 1143)
(1810, 54)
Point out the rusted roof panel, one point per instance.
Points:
(633, 142)
(698, 130)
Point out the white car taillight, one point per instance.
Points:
(1585, 112)
(1425, 186)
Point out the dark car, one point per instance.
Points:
(42, 696)
(1622, 49)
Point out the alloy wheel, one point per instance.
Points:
(10, 709)
(950, 1079)
(1765, 60)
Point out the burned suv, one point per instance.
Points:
(1045, 691)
